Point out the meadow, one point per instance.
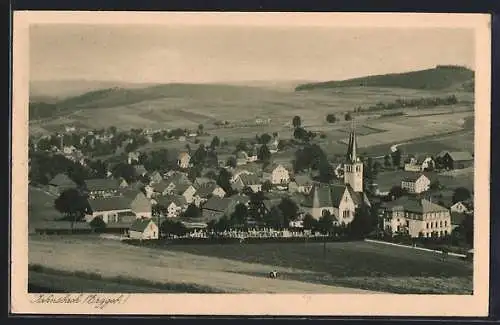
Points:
(349, 267)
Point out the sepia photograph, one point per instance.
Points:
(212, 154)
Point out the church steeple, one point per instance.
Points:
(352, 146)
(353, 167)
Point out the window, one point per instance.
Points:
(446, 223)
(427, 225)
(440, 223)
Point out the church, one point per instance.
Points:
(342, 199)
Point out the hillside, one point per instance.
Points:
(119, 96)
(438, 78)
(61, 89)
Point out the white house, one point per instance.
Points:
(301, 184)
(172, 205)
(108, 209)
(459, 207)
(205, 192)
(187, 191)
(68, 150)
(416, 217)
(143, 229)
(247, 180)
(417, 183)
(277, 174)
(133, 157)
(183, 160)
(414, 165)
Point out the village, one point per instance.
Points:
(199, 193)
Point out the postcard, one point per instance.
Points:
(176, 163)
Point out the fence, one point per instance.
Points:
(413, 247)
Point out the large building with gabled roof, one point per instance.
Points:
(340, 200)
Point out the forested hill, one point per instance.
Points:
(438, 78)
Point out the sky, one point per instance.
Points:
(205, 54)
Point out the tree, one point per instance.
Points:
(192, 212)
(265, 138)
(199, 156)
(326, 171)
(99, 168)
(264, 154)
(296, 121)
(215, 142)
(331, 118)
(98, 224)
(363, 223)
(396, 192)
(396, 158)
(223, 224)
(275, 218)
(242, 146)
(460, 194)
(72, 204)
(231, 162)
(347, 116)
(309, 222)
(240, 214)
(289, 208)
(126, 171)
(376, 168)
(256, 208)
(171, 227)
(325, 222)
(435, 185)
(200, 129)
(387, 161)
(224, 181)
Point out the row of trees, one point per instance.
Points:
(331, 118)
(426, 102)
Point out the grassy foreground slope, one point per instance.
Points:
(438, 78)
(355, 267)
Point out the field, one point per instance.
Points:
(41, 205)
(347, 268)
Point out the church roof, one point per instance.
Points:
(323, 195)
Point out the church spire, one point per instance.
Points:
(352, 146)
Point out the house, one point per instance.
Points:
(172, 205)
(140, 170)
(144, 229)
(236, 172)
(102, 187)
(247, 180)
(155, 177)
(187, 191)
(139, 203)
(176, 179)
(241, 158)
(109, 209)
(202, 181)
(183, 160)
(460, 207)
(68, 150)
(301, 184)
(273, 146)
(415, 183)
(277, 174)
(133, 157)
(339, 200)
(161, 188)
(456, 159)
(207, 191)
(215, 208)
(417, 217)
(415, 165)
(61, 183)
